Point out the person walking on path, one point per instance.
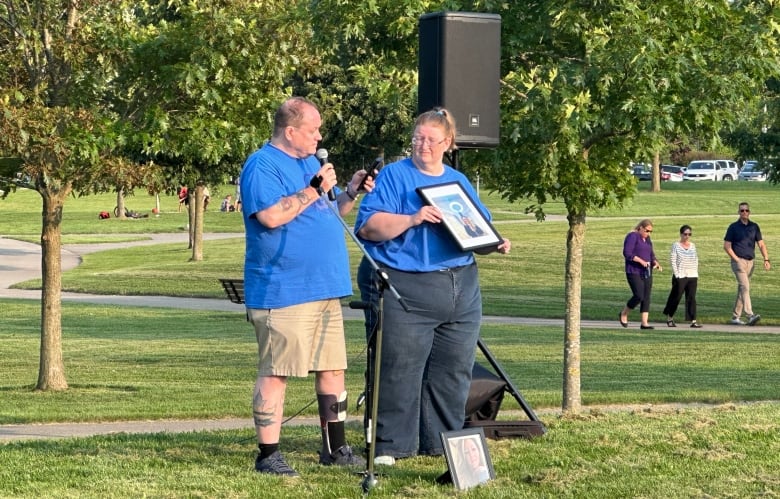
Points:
(640, 262)
(740, 243)
(295, 271)
(685, 278)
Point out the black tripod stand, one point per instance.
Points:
(374, 352)
(374, 313)
(500, 429)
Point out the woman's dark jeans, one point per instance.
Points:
(427, 357)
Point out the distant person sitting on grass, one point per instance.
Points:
(227, 204)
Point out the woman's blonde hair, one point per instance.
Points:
(441, 118)
(643, 223)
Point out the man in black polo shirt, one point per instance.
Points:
(740, 244)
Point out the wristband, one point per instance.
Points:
(350, 194)
(316, 182)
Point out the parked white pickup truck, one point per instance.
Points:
(712, 169)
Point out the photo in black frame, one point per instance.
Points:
(470, 229)
(468, 458)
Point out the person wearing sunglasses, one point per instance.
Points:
(685, 278)
(640, 262)
(740, 243)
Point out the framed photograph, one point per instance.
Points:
(468, 459)
(462, 218)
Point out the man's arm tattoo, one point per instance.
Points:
(303, 198)
(287, 203)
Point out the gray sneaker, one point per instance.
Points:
(736, 322)
(274, 465)
(753, 320)
(343, 456)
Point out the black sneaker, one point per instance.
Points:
(275, 465)
(343, 456)
(753, 320)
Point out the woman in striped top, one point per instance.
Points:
(685, 278)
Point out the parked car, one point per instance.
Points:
(711, 169)
(752, 172)
(645, 172)
(673, 173)
(642, 172)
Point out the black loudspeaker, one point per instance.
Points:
(459, 69)
(485, 395)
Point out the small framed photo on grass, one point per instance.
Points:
(468, 459)
(462, 218)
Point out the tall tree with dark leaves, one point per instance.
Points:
(201, 84)
(57, 126)
(590, 86)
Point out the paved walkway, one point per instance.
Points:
(21, 261)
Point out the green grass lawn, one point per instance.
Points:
(138, 362)
(145, 363)
(728, 451)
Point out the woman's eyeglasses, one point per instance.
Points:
(419, 141)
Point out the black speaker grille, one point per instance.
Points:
(459, 69)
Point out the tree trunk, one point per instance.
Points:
(575, 242)
(120, 204)
(51, 374)
(657, 172)
(197, 226)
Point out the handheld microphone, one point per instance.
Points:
(322, 155)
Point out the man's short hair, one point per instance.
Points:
(291, 113)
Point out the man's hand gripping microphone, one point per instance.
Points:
(316, 181)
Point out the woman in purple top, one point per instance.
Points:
(640, 262)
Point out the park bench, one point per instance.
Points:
(234, 289)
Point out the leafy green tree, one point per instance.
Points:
(122, 176)
(590, 86)
(54, 122)
(366, 85)
(201, 85)
(758, 137)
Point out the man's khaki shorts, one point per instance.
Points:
(296, 340)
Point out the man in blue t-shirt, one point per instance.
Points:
(740, 244)
(295, 271)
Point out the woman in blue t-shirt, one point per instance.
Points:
(428, 352)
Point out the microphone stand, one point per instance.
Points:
(369, 478)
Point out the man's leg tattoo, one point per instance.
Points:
(262, 411)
